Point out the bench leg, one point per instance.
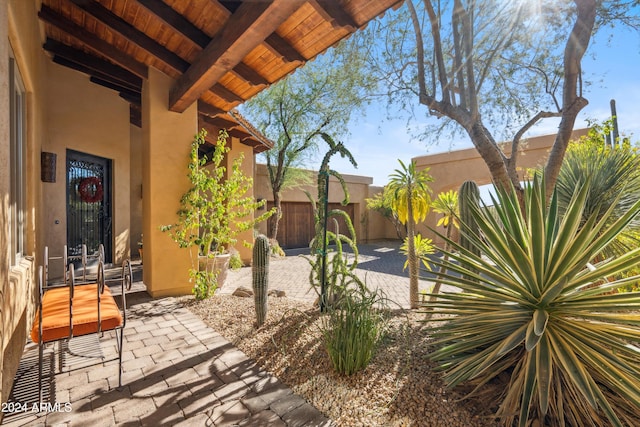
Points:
(40, 357)
(120, 340)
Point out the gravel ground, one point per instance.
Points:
(398, 388)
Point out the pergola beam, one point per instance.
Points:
(249, 26)
(92, 41)
(332, 12)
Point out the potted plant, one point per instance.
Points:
(213, 211)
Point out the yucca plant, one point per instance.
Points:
(535, 309)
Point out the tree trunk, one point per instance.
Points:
(272, 233)
(413, 258)
(572, 100)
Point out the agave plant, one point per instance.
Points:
(535, 310)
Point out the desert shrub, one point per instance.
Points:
(534, 309)
(352, 330)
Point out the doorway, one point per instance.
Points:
(89, 217)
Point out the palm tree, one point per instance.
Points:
(446, 204)
(410, 200)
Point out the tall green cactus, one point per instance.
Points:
(469, 195)
(260, 276)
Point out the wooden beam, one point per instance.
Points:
(132, 34)
(280, 47)
(249, 26)
(81, 68)
(208, 109)
(135, 115)
(176, 21)
(332, 12)
(220, 122)
(92, 42)
(115, 87)
(225, 94)
(248, 74)
(95, 64)
(182, 25)
(131, 99)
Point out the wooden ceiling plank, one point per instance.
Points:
(176, 21)
(250, 25)
(333, 12)
(92, 42)
(115, 72)
(280, 47)
(132, 34)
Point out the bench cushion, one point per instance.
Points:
(55, 313)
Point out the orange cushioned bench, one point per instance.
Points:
(55, 313)
(72, 309)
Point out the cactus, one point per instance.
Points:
(260, 276)
(469, 195)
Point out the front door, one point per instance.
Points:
(88, 204)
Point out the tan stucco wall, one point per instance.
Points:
(165, 146)
(88, 118)
(19, 32)
(450, 170)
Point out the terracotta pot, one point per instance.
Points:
(219, 263)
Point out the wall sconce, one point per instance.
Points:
(48, 166)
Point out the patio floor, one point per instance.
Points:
(179, 371)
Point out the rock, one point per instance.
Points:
(243, 292)
(277, 293)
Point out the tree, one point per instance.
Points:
(410, 200)
(318, 98)
(484, 64)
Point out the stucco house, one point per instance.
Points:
(100, 101)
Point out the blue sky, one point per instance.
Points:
(377, 143)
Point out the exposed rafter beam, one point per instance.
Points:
(133, 35)
(135, 115)
(209, 125)
(180, 24)
(250, 25)
(249, 75)
(225, 94)
(176, 21)
(220, 122)
(280, 47)
(84, 70)
(102, 69)
(332, 12)
(92, 42)
(117, 88)
(208, 109)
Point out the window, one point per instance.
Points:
(17, 167)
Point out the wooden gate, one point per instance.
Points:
(296, 228)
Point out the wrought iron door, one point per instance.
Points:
(89, 218)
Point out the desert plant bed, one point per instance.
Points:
(400, 387)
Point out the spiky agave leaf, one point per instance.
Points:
(531, 308)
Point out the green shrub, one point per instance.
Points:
(235, 262)
(352, 330)
(538, 314)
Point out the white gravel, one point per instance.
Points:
(398, 388)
